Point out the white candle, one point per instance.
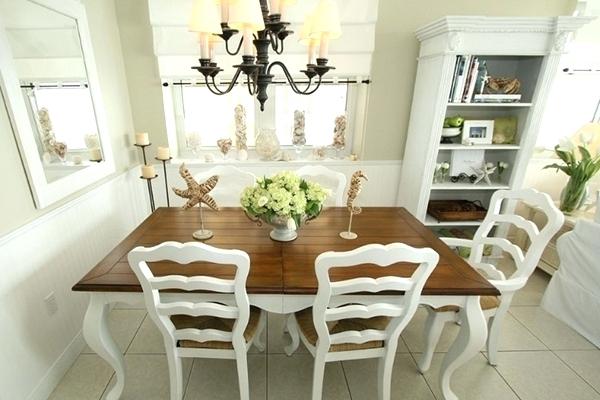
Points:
(163, 153)
(142, 139)
(324, 45)
(95, 154)
(224, 10)
(312, 45)
(274, 7)
(148, 171)
(248, 38)
(204, 46)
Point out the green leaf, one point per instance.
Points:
(585, 154)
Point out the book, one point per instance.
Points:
(460, 79)
(454, 76)
(467, 79)
(472, 81)
(496, 98)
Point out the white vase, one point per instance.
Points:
(283, 229)
(267, 145)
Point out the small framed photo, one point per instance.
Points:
(465, 161)
(478, 132)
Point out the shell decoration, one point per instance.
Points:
(354, 190)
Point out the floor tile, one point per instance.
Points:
(148, 377)
(290, 378)
(218, 380)
(514, 336)
(531, 294)
(541, 375)
(476, 380)
(123, 325)
(407, 382)
(148, 339)
(86, 379)
(552, 332)
(586, 363)
(414, 334)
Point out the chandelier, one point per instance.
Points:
(262, 27)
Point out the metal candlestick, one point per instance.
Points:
(202, 234)
(150, 192)
(143, 147)
(164, 164)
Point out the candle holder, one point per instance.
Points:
(164, 164)
(349, 234)
(143, 147)
(202, 234)
(150, 191)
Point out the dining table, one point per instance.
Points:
(282, 276)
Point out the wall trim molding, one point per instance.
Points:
(42, 219)
(58, 369)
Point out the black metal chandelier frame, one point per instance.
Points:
(258, 68)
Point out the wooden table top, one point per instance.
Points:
(285, 267)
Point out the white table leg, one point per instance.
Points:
(471, 339)
(98, 337)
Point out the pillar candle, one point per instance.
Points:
(148, 171)
(163, 153)
(95, 154)
(142, 139)
(324, 45)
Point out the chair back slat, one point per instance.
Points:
(361, 311)
(198, 309)
(371, 285)
(208, 283)
(185, 253)
(203, 335)
(330, 306)
(335, 181)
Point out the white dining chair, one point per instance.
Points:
(495, 308)
(353, 327)
(220, 324)
(330, 179)
(232, 181)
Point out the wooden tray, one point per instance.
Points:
(455, 210)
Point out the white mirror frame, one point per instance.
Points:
(45, 193)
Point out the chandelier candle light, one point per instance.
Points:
(262, 26)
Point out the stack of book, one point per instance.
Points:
(468, 82)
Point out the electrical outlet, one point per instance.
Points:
(51, 304)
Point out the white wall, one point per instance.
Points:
(49, 255)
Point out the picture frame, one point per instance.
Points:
(478, 132)
(464, 161)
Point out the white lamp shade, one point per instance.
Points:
(326, 20)
(244, 14)
(307, 30)
(205, 17)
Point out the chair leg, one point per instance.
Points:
(175, 374)
(242, 370)
(261, 327)
(318, 374)
(494, 326)
(434, 325)
(292, 327)
(384, 375)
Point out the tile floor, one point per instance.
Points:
(541, 358)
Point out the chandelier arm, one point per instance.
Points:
(237, 51)
(215, 89)
(279, 50)
(274, 42)
(308, 90)
(251, 88)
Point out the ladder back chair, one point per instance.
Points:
(336, 181)
(525, 261)
(342, 326)
(232, 181)
(219, 324)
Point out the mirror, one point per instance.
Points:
(49, 84)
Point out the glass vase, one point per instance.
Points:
(573, 196)
(267, 145)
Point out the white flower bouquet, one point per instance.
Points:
(284, 196)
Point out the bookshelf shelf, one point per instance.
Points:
(527, 49)
(483, 105)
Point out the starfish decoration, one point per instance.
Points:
(197, 193)
(483, 173)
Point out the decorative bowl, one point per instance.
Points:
(448, 133)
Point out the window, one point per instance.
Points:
(71, 112)
(573, 102)
(201, 117)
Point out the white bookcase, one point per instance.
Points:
(526, 48)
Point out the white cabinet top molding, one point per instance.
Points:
(513, 35)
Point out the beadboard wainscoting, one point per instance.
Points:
(41, 339)
(380, 190)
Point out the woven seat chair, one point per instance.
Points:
(217, 323)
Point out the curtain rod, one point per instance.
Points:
(32, 86)
(572, 71)
(328, 82)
